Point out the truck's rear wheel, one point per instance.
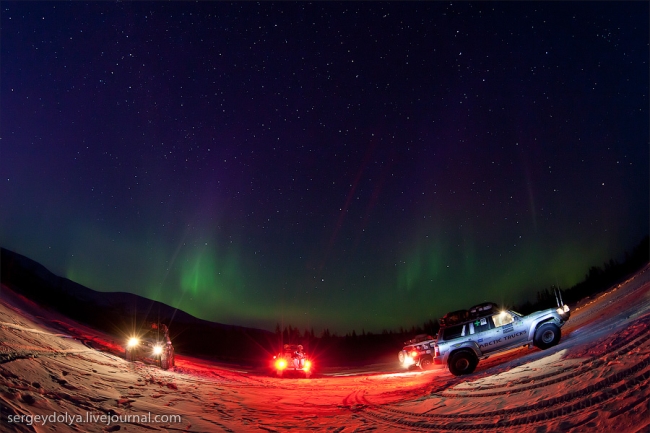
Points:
(547, 335)
(463, 362)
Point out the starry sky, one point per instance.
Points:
(356, 165)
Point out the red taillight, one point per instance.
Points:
(281, 364)
(437, 351)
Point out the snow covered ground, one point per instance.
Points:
(58, 375)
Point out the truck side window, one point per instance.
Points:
(483, 324)
(454, 332)
(503, 318)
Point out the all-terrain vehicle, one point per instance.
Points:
(417, 352)
(155, 346)
(466, 336)
(291, 359)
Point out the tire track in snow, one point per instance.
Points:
(529, 414)
(14, 356)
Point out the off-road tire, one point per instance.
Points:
(426, 363)
(547, 335)
(401, 356)
(166, 359)
(463, 362)
(172, 357)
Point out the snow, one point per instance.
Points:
(596, 379)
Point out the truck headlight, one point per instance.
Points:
(133, 342)
(157, 350)
(281, 364)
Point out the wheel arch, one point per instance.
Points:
(535, 326)
(467, 346)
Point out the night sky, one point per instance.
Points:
(351, 165)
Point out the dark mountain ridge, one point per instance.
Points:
(123, 314)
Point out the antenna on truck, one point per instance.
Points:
(558, 296)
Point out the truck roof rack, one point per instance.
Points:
(461, 316)
(484, 309)
(454, 318)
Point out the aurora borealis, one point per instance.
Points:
(325, 165)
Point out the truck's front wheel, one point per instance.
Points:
(164, 361)
(547, 335)
(463, 362)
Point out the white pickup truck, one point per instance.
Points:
(466, 336)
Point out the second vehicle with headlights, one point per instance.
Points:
(418, 352)
(154, 346)
(292, 359)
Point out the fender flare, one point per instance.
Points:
(465, 345)
(535, 325)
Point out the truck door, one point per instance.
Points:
(486, 335)
(510, 327)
